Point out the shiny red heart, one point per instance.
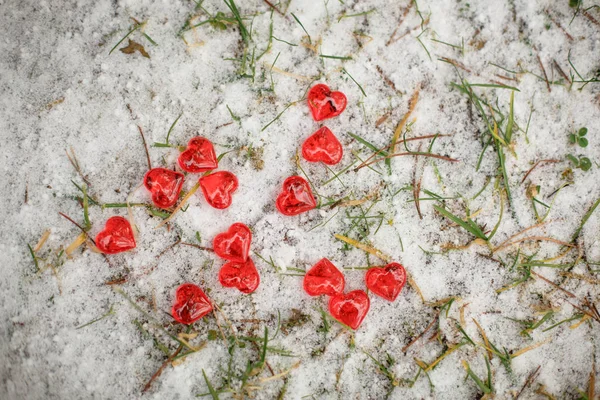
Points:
(386, 282)
(218, 187)
(242, 276)
(350, 308)
(116, 237)
(233, 245)
(191, 304)
(322, 146)
(324, 278)
(324, 103)
(164, 185)
(296, 197)
(199, 156)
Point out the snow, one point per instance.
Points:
(61, 89)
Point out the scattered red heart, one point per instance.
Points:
(324, 278)
(386, 282)
(199, 156)
(233, 245)
(116, 237)
(164, 185)
(296, 197)
(218, 188)
(191, 304)
(324, 103)
(350, 308)
(322, 146)
(240, 275)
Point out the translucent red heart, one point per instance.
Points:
(322, 146)
(324, 103)
(323, 278)
(199, 156)
(191, 304)
(386, 282)
(296, 197)
(164, 186)
(116, 237)
(240, 275)
(350, 308)
(233, 245)
(218, 188)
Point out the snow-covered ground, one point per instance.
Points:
(62, 91)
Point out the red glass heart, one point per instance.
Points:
(242, 276)
(191, 304)
(199, 156)
(350, 308)
(322, 146)
(164, 185)
(324, 278)
(233, 245)
(386, 282)
(116, 237)
(324, 103)
(218, 187)
(296, 197)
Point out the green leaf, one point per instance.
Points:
(583, 131)
(469, 226)
(212, 334)
(583, 142)
(572, 138)
(573, 159)
(585, 163)
(211, 389)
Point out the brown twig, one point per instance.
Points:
(406, 10)
(145, 147)
(589, 16)
(560, 71)
(273, 7)
(435, 318)
(530, 379)
(559, 26)
(162, 367)
(440, 157)
(535, 165)
(544, 71)
(455, 63)
(387, 80)
(75, 163)
(197, 246)
(548, 281)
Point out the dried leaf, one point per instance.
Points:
(134, 46)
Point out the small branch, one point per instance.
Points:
(560, 71)
(273, 7)
(544, 71)
(435, 318)
(530, 379)
(145, 147)
(162, 367)
(535, 165)
(406, 154)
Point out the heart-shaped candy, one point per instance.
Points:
(233, 245)
(324, 103)
(350, 308)
(199, 156)
(218, 187)
(116, 237)
(164, 185)
(191, 304)
(322, 146)
(386, 282)
(324, 278)
(240, 275)
(296, 197)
